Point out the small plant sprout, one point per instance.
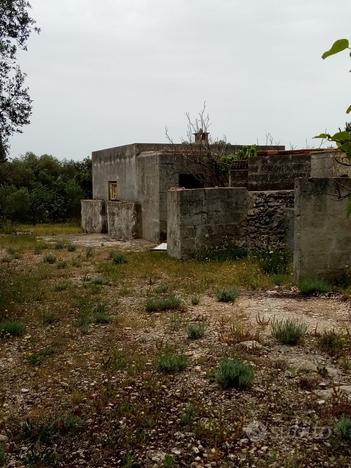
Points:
(234, 373)
(289, 332)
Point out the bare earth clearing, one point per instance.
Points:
(81, 385)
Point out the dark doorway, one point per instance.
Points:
(189, 181)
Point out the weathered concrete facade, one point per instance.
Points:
(331, 163)
(322, 242)
(124, 220)
(93, 214)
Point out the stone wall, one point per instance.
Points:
(268, 220)
(93, 214)
(124, 220)
(330, 164)
(202, 219)
(277, 171)
(322, 243)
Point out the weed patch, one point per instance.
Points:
(170, 362)
(343, 428)
(195, 331)
(331, 342)
(12, 327)
(234, 373)
(289, 332)
(118, 258)
(227, 294)
(311, 287)
(158, 304)
(49, 259)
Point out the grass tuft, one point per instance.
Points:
(289, 332)
(158, 304)
(169, 362)
(343, 428)
(195, 300)
(331, 342)
(235, 373)
(310, 287)
(49, 259)
(12, 327)
(195, 331)
(118, 258)
(227, 294)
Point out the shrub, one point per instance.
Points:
(331, 342)
(61, 286)
(234, 373)
(289, 332)
(158, 304)
(12, 327)
(170, 362)
(49, 259)
(161, 289)
(227, 294)
(59, 245)
(195, 331)
(49, 318)
(195, 300)
(118, 258)
(71, 248)
(61, 265)
(309, 287)
(343, 428)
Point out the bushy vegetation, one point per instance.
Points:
(227, 294)
(289, 332)
(331, 342)
(234, 373)
(12, 327)
(118, 258)
(170, 362)
(157, 304)
(313, 286)
(195, 331)
(343, 428)
(273, 262)
(41, 189)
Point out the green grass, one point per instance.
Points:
(49, 318)
(195, 300)
(273, 262)
(331, 342)
(289, 332)
(49, 259)
(170, 362)
(61, 265)
(187, 416)
(158, 304)
(12, 327)
(2, 454)
(227, 294)
(36, 359)
(118, 258)
(234, 373)
(314, 286)
(195, 331)
(100, 315)
(343, 428)
(49, 229)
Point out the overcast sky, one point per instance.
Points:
(104, 73)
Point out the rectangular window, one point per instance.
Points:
(112, 191)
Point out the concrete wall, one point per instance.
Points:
(322, 228)
(93, 214)
(203, 219)
(277, 171)
(124, 220)
(330, 164)
(268, 220)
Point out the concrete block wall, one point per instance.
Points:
(277, 171)
(268, 220)
(200, 219)
(322, 242)
(93, 216)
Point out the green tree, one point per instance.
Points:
(342, 138)
(16, 25)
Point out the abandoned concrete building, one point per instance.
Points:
(278, 199)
